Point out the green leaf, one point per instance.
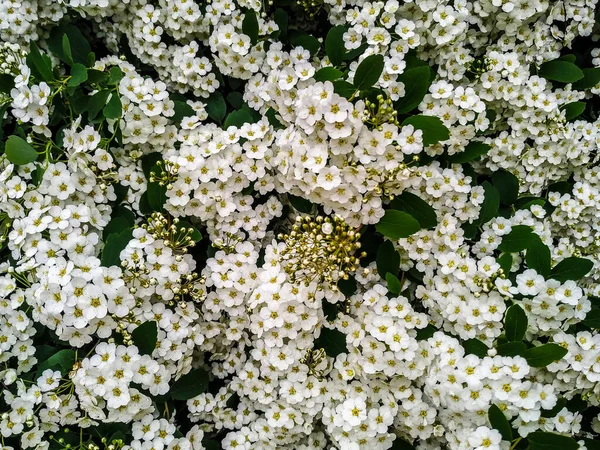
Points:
(543, 355)
(541, 440)
(499, 422)
(416, 84)
(235, 99)
(562, 71)
(571, 268)
(114, 75)
(515, 323)
(238, 118)
(475, 347)
(63, 360)
(511, 349)
(507, 185)
(300, 204)
(78, 75)
(573, 109)
(145, 337)
(432, 127)
(388, 259)
(113, 108)
(401, 444)
(328, 74)
(190, 385)
(397, 224)
(416, 207)
(216, 107)
(592, 319)
(113, 246)
(518, 239)
(538, 257)
(393, 283)
(7, 83)
(344, 88)
(301, 39)
(491, 203)
(115, 226)
(157, 194)
(334, 45)
(96, 76)
(368, 72)
(505, 260)
(66, 49)
(18, 151)
(39, 63)
(182, 109)
(250, 26)
(78, 44)
(96, 103)
(333, 341)
(591, 77)
(281, 18)
(473, 151)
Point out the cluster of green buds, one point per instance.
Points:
(321, 249)
(11, 57)
(389, 184)
(380, 112)
(311, 7)
(227, 243)
(174, 236)
(191, 285)
(136, 274)
(166, 176)
(488, 284)
(316, 361)
(479, 66)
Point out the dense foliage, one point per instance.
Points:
(303, 225)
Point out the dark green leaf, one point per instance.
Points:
(491, 203)
(39, 64)
(388, 259)
(301, 39)
(541, 440)
(182, 109)
(114, 75)
(393, 283)
(416, 84)
(347, 287)
(333, 341)
(66, 48)
(115, 226)
(426, 333)
(237, 119)
(475, 347)
(518, 239)
(401, 444)
(148, 162)
(63, 360)
(328, 74)
(250, 26)
(7, 83)
(592, 319)
(334, 45)
(96, 103)
(562, 71)
(145, 337)
(515, 323)
(499, 422)
(216, 107)
(157, 194)
(538, 257)
(397, 224)
(573, 110)
(507, 185)
(368, 72)
(591, 77)
(113, 246)
(113, 108)
(18, 151)
(505, 260)
(571, 268)
(545, 354)
(416, 207)
(432, 127)
(300, 204)
(190, 385)
(281, 19)
(473, 151)
(511, 349)
(96, 76)
(235, 99)
(344, 88)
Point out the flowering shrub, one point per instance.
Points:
(303, 225)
